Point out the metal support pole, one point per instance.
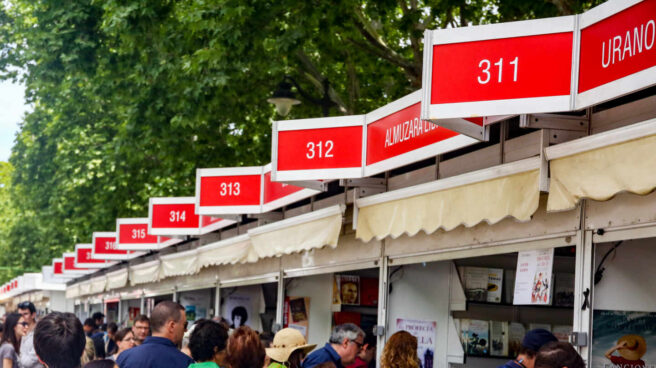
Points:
(142, 304)
(217, 300)
(280, 300)
(175, 294)
(583, 291)
(383, 292)
(119, 318)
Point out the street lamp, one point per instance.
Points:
(284, 98)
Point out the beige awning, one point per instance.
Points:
(85, 288)
(117, 279)
(295, 234)
(97, 285)
(229, 251)
(490, 195)
(72, 291)
(144, 273)
(178, 264)
(600, 166)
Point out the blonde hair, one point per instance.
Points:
(400, 351)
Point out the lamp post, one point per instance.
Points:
(284, 98)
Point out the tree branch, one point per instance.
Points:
(316, 78)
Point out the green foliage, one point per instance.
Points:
(131, 96)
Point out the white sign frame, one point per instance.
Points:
(283, 201)
(134, 246)
(113, 257)
(619, 87)
(90, 265)
(228, 171)
(200, 230)
(496, 107)
(316, 123)
(73, 272)
(415, 155)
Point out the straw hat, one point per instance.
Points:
(287, 341)
(636, 346)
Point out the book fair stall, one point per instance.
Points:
(513, 191)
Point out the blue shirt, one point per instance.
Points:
(512, 364)
(155, 352)
(325, 354)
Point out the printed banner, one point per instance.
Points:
(533, 278)
(425, 332)
(623, 339)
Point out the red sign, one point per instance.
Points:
(104, 247)
(58, 267)
(176, 216)
(278, 194)
(84, 259)
(69, 265)
(315, 149)
(133, 235)
(229, 190)
(618, 51)
(396, 136)
(498, 69)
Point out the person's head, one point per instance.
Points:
(208, 341)
(28, 311)
(289, 348)
(124, 339)
(102, 363)
(141, 328)
(400, 351)
(89, 325)
(168, 319)
(15, 328)
(558, 354)
(98, 318)
(59, 340)
(244, 349)
(239, 316)
(532, 342)
(368, 352)
(111, 329)
(349, 293)
(347, 340)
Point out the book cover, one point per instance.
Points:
(346, 289)
(516, 332)
(463, 326)
(494, 285)
(478, 338)
(564, 290)
(499, 338)
(562, 332)
(476, 282)
(508, 286)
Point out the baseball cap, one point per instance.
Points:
(534, 339)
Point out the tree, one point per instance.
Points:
(130, 97)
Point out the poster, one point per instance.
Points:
(346, 290)
(238, 310)
(196, 304)
(623, 339)
(533, 277)
(297, 314)
(425, 332)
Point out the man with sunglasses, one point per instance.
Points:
(345, 343)
(27, 357)
(168, 323)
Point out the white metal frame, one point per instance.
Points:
(288, 199)
(621, 86)
(200, 230)
(415, 155)
(73, 272)
(134, 246)
(107, 256)
(228, 209)
(490, 32)
(97, 265)
(310, 124)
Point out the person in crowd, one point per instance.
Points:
(367, 354)
(288, 349)
(89, 327)
(96, 334)
(345, 343)
(89, 351)
(207, 344)
(15, 328)
(168, 322)
(239, 317)
(102, 363)
(558, 354)
(108, 338)
(124, 340)
(400, 351)
(98, 319)
(2, 328)
(59, 340)
(532, 342)
(244, 349)
(141, 329)
(27, 357)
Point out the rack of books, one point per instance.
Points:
(355, 299)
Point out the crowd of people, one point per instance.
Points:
(60, 340)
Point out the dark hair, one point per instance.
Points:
(98, 315)
(163, 312)
(90, 322)
(9, 335)
(112, 327)
(558, 354)
(27, 305)
(142, 318)
(241, 312)
(528, 352)
(120, 335)
(207, 338)
(103, 363)
(244, 349)
(59, 340)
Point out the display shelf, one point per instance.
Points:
(520, 305)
